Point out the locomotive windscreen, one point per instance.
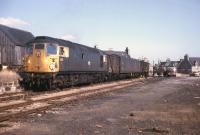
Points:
(51, 49)
(29, 50)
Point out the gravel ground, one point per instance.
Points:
(163, 106)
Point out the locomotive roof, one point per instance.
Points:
(46, 39)
(18, 37)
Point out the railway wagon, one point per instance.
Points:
(55, 62)
(145, 67)
(123, 66)
(113, 66)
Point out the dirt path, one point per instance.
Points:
(170, 106)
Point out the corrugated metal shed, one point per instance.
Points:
(18, 37)
(12, 42)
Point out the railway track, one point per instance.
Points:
(12, 96)
(36, 103)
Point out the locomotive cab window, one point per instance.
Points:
(64, 51)
(51, 49)
(29, 50)
(61, 51)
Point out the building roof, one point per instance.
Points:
(162, 63)
(169, 63)
(173, 63)
(18, 37)
(185, 64)
(193, 60)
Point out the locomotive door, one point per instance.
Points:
(40, 55)
(63, 56)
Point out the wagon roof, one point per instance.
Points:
(46, 39)
(18, 37)
(119, 53)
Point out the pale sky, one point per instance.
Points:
(156, 29)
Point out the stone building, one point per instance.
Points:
(189, 64)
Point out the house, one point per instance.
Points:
(189, 64)
(168, 64)
(12, 45)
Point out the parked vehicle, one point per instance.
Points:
(195, 74)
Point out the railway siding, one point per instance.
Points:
(34, 104)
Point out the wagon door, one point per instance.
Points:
(114, 64)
